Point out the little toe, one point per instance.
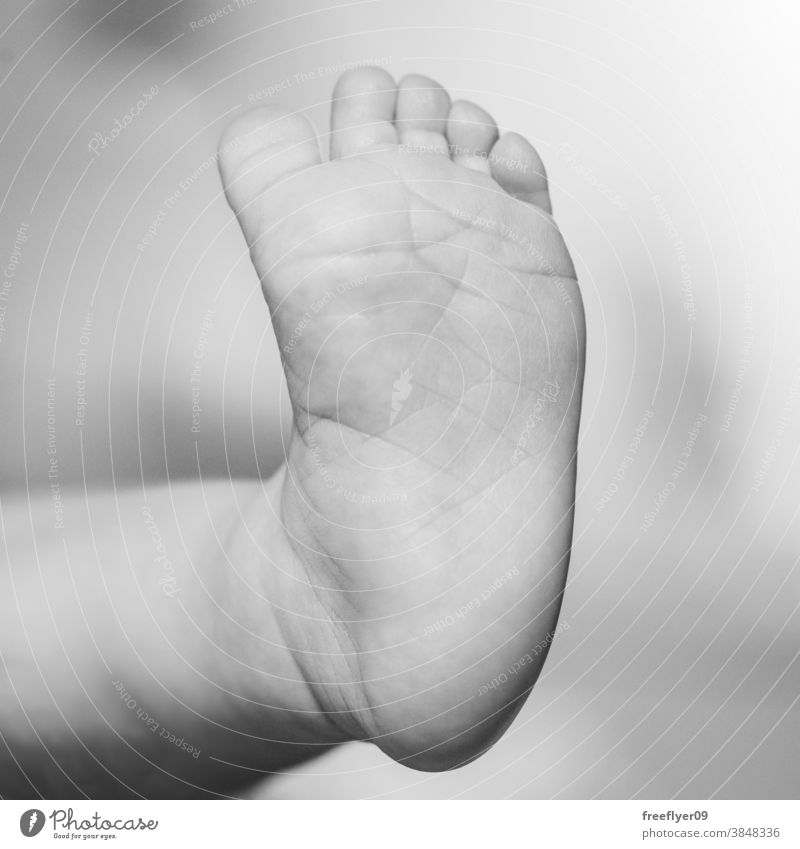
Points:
(518, 168)
(471, 132)
(262, 147)
(362, 111)
(421, 114)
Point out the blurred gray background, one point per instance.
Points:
(670, 133)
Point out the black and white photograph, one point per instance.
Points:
(401, 403)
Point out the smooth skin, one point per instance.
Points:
(399, 579)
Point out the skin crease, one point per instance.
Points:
(306, 607)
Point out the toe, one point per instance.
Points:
(471, 132)
(517, 167)
(262, 147)
(362, 111)
(421, 115)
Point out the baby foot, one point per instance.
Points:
(431, 331)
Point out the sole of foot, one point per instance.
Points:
(432, 335)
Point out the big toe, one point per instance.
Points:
(260, 149)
